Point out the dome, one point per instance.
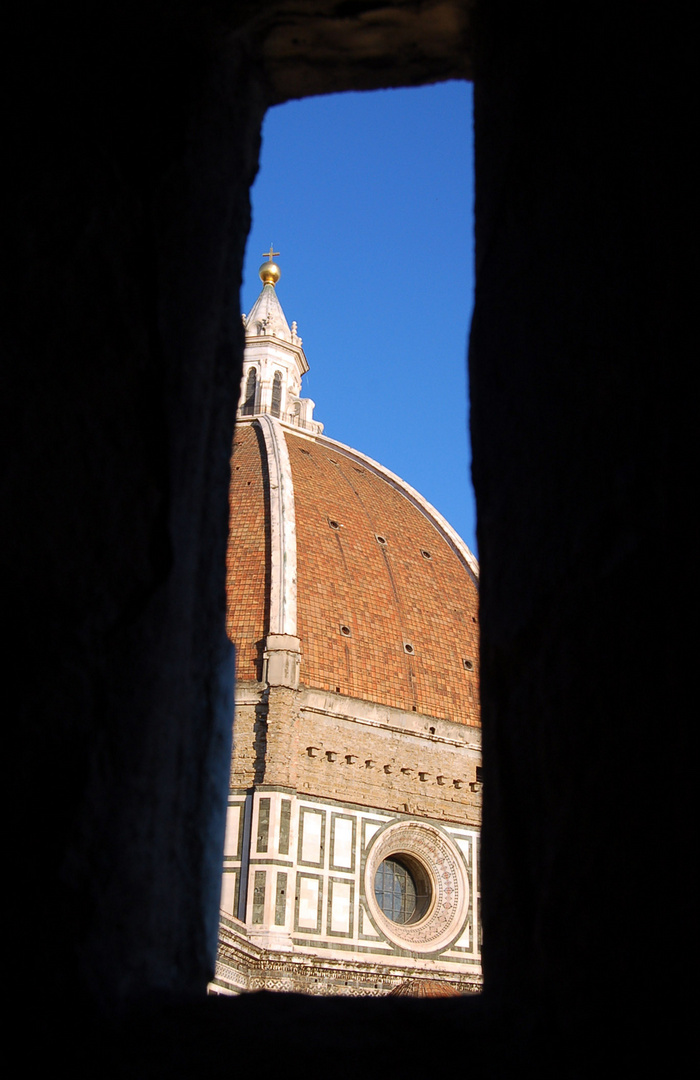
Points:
(386, 593)
(424, 988)
(352, 839)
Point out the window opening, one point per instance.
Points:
(363, 309)
(369, 386)
(276, 406)
(402, 894)
(395, 891)
(250, 393)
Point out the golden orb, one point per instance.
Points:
(269, 273)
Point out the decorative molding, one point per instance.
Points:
(283, 534)
(244, 967)
(444, 920)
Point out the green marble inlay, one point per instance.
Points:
(259, 897)
(263, 825)
(285, 817)
(281, 899)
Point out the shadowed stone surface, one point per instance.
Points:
(131, 147)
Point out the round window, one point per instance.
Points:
(402, 890)
(415, 886)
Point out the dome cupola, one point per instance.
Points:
(274, 360)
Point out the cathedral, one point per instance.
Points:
(351, 858)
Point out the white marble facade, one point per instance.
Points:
(298, 878)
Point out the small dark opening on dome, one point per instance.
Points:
(337, 689)
(431, 730)
(425, 554)
(468, 664)
(302, 451)
(333, 524)
(380, 539)
(415, 708)
(345, 630)
(407, 647)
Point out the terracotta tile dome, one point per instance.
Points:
(424, 988)
(386, 593)
(351, 853)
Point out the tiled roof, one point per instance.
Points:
(387, 611)
(268, 311)
(247, 559)
(424, 988)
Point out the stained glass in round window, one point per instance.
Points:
(398, 894)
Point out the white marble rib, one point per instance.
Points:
(283, 546)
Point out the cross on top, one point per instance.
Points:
(269, 255)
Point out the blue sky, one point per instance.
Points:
(369, 200)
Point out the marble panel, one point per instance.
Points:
(312, 828)
(308, 902)
(343, 833)
(340, 907)
(231, 839)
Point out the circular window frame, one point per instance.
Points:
(432, 852)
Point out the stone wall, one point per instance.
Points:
(131, 142)
(324, 744)
(243, 967)
(299, 881)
